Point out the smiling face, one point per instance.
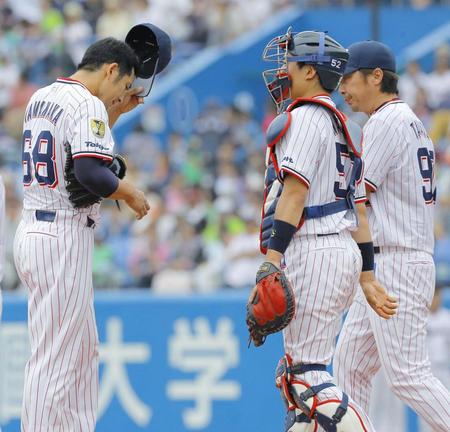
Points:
(356, 90)
(362, 91)
(113, 86)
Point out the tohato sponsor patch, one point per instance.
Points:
(98, 127)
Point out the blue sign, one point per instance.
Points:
(165, 364)
(172, 364)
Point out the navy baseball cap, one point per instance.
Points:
(369, 55)
(154, 49)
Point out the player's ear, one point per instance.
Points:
(312, 72)
(377, 76)
(112, 69)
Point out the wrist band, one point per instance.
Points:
(368, 254)
(282, 233)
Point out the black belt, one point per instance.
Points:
(49, 216)
(324, 235)
(302, 368)
(376, 249)
(45, 216)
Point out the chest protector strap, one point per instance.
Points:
(273, 183)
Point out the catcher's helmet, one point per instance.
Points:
(154, 49)
(310, 47)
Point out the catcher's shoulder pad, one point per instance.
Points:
(352, 131)
(278, 128)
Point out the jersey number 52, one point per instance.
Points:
(38, 159)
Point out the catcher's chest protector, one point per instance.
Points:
(273, 184)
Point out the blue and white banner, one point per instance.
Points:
(166, 364)
(175, 364)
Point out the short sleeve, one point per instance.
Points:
(91, 136)
(360, 192)
(304, 144)
(381, 144)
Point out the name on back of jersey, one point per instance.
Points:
(50, 111)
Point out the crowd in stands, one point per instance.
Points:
(205, 189)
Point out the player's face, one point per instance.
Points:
(114, 86)
(300, 79)
(356, 91)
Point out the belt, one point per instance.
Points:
(45, 216)
(325, 235)
(302, 368)
(49, 216)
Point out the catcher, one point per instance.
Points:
(314, 226)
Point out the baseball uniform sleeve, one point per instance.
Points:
(380, 151)
(360, 192)
(304, 145)
(91, 136)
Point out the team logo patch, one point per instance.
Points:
(98, 128)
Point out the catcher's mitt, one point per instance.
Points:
(78, 194)
(273, 305)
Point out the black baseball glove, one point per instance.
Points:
(271, 306)
(78, 194)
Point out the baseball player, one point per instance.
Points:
(68, 166)
(399, 176)
(314, 197)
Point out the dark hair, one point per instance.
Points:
(107, 51)
(389, 83)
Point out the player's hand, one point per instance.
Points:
(128, 101)
(379, 300)
(138, 203)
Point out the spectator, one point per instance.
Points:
(78, 33)
(411, 82)
(115, 21)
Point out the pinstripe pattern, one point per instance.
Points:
(61, 379)
(53, 260)
(399, 215)
(79, 108)
(402, 224)
(397, 345)
(324, 272)
(308, 151)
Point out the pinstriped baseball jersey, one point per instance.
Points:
(402, 208)
(315, 152)
(63, 112)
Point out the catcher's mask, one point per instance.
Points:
(154, 50)
(310, 47)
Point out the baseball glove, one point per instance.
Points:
(272, 306)
(78, 194)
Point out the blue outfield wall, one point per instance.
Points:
(168, 364)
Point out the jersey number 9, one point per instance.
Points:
(426, 166)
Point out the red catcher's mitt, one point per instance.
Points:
(272, 306)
